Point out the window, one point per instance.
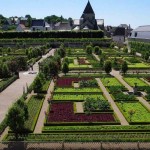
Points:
(135, 34)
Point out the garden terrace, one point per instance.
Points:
(140, 116)
(63, 112)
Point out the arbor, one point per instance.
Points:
(108, 67)
(124, 67)
(65, 68)
(16, 117)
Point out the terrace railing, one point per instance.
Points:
(74, 145)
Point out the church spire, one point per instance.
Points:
(88, 9)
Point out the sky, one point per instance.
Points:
(114, 12)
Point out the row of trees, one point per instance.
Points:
(53, 34)
(90, 49)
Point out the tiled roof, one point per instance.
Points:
(119, 31)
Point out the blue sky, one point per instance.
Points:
(114, 12)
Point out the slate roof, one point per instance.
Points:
(88, 9)
(145, 28)
(62, 26)
(119, 31)
(38, 22)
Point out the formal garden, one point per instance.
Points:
(93, 92)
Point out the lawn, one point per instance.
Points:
(72, 66)
(141, 113)
(76, 97)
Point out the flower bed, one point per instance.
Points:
(67, 82)
(63, 112)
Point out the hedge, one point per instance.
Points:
(53, 34)
(6, 83)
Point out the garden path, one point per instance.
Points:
(79, 107)
(40, 121)
(15, 90)
(119, 77)
(123, 121)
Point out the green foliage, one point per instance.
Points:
(88, 83)
(16, 117)
(5, 71)
(91, 105)
(108, 67)
(89, 49)
(34, 107)
(37, 86)
(97, 50)
(65, 68)
(124, 67)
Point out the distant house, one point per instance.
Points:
(21, 28)
(23, 21)
(141, 33)
(62, 26)
(40, 25)
(88, 21)
(118, 35)
(128, 29)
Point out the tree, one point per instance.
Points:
(9, 50)
(5, 71)
(146, 56)
(89, 49)
(37, 85)
(29, 20)
(108, 67)
(124, 67)
(16, 118)
(97, 50)
(65, 68)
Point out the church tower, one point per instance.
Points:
(88, 18)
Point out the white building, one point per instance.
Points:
(142, 32)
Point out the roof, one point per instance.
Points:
(62, 26)
(100, 21)
(145, 28)
(88, 9)
(119, 31)
(76, 28)
(38, 22)
(86, 28)
(22, 18)
(123, 25)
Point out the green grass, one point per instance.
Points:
(72, 66)
(82, 90)
(141, 113)
(132, 81)
(138, 65)
(34, 107)
(76, 97)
